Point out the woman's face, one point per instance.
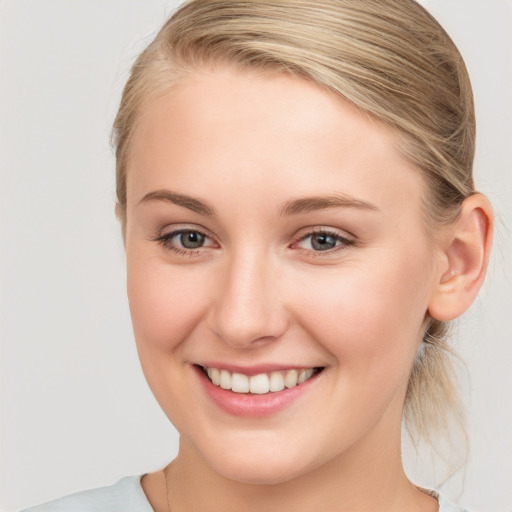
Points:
(272, 227)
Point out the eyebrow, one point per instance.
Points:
(197, 206)
(310, 204)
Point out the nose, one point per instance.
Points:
(248, 309)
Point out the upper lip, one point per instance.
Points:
(254, 369)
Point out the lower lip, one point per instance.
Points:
(253, 405)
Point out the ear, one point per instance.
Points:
(465, 254)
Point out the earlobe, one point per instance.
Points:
(466, 254)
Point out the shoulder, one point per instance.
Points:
(126, 495)
(446, 505)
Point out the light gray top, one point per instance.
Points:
(127, 495)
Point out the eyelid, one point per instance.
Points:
(170, 229)
(303, 234)
(316, 229)
(166, 234)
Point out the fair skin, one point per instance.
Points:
(266, 277)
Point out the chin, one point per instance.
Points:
(261, 466)
(258, 474)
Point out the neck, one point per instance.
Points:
(367, 477)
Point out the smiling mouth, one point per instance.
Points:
(262, 383)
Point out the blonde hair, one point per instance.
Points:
(389, 58)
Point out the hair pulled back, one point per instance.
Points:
(389, 58)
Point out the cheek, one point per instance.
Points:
(369, 317)
(165, 302)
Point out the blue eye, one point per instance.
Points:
(185, 241)
(323, 241)
(190, 239)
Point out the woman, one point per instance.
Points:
(300, 221)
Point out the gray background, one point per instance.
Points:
(75, 410)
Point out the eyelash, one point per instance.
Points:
(166, 241)
(344, 242)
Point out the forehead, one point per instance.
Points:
(265, 130)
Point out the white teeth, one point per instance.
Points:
(276, 381)
(304, 375)
(261, 383)
(239, 383)
(290, 379)
(225, 379)
(214, 375)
